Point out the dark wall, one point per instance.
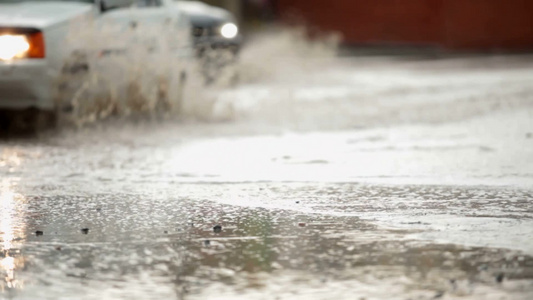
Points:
(447, 23)
(489, 23)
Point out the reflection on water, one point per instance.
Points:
(11, 261)
(153, 246)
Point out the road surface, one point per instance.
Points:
(330, 178)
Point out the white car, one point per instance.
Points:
(91, 55)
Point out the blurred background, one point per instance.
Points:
(487, 25)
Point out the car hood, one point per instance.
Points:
(200, 13)
(40, 14)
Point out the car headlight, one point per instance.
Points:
(13, 46)
(229, 30)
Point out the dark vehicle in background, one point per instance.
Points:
(212, 27)
(216, 37)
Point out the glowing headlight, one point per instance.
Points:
(229, 30)
(13, 46)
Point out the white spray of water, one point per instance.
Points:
(139, 71)
(118, 69)
(278, 55)
(284, 54)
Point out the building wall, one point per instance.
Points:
(447, 23)
(489, 23)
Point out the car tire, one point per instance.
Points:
(30, 121)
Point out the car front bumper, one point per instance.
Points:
(218, 42)
(25, 84)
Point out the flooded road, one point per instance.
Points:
(317, 178)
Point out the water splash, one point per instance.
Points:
(282, 53)
(119, 69)
(140, 71)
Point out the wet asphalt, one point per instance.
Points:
(413, 205)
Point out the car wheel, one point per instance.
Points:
(30, 121)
